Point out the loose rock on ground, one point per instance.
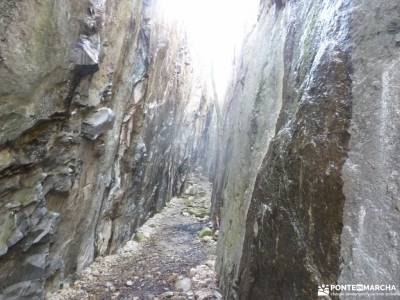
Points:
(168, 258)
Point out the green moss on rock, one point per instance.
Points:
(205, 232)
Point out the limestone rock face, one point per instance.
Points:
(95, 133)
(308, 159)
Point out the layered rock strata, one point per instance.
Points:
(95, 132)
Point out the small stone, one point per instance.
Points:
(110, 286)
(167, 295)
(210, 263)
(129, 283)
(184, 284)
(204, 295)
(139, 237)
(130, 246)
(205, 232)
(217, 295)
(66, 285)
(192, 272)
(206, 239)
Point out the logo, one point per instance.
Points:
(328, 290)
(323, 290)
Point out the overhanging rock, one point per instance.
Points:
(97, 123)
(86, 55)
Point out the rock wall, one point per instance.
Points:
(96, 132)
(308, 160)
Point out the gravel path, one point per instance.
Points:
(167, 259)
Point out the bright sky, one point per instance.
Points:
(215, 30)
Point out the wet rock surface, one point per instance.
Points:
(166, 259)
(305, 178)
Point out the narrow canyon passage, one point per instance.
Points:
(172, 256)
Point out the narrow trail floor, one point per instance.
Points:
(172, 256)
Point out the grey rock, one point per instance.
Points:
(37, 260)
(394, 26)
(167, 295)
(87, 52)
(97, 123)
(184, 284)
(69, 200)
(308, 160)
(397, 39)
(86, 56)
(42, 231)
(149, 297)
(370, 239)
(110, 286)
(3, 249)
(5, 159)
(217, 295)
(17, 235)
(205, 232)
(129, 283)
(23, 290)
